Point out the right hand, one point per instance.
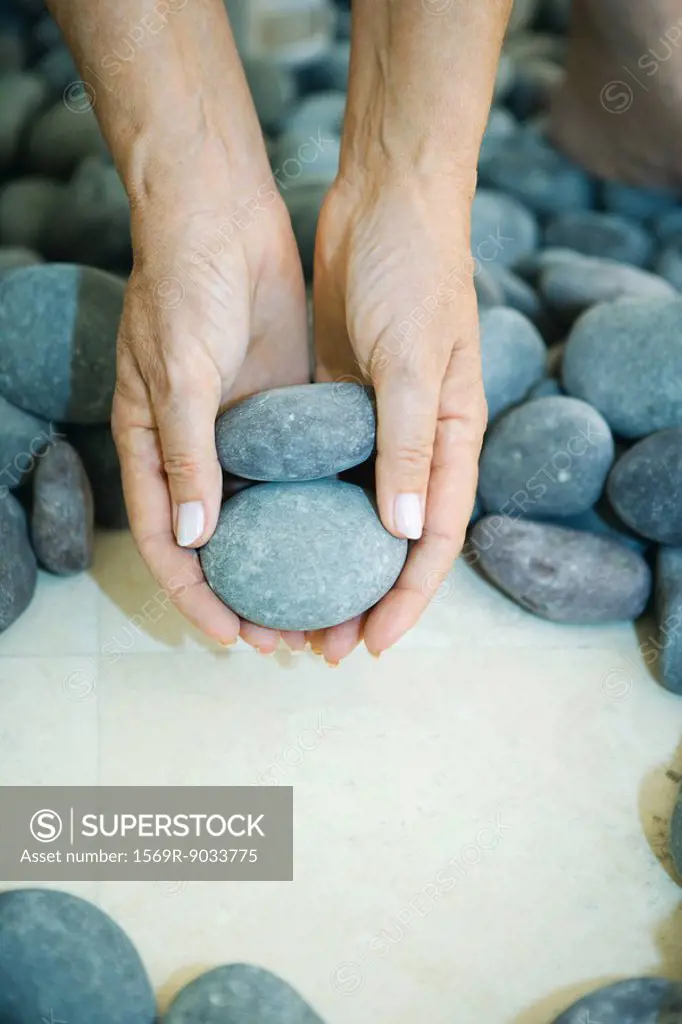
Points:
(210, 316)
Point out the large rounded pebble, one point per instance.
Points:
(12, 257)
(272, 88)
(237, 994)
(601, 234)
(569, 287)
(635, 1001)
(58, 324)
(91, 225)
(301, 556)
(645, 487)
(625, 359)
(21, 96)
(549, 457)
(18, 577)
(26, 206)
(638, 203)
(23, 437)
(539, 177)
(517, 293)
(535, 82)
(304, 432)
(669, 617)
(603, 521)
(669, 266)
(62, 517)
(502, 230)
(62, 138)
(562, 575)
(63, 959)
(324, 111)
(513, 356)
(97, 450)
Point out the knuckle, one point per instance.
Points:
(414, 454)
(182, 466)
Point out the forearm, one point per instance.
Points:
(421, 84)
(169, 89)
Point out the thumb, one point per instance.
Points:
(186, 424)
(407, 414)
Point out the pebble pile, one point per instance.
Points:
(579, 511)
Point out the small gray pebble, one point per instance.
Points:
(669, 266)
(549, 457)
(502, 229)
(518, 294)
(237, 994)
(645, 487)
(12, 257)
(513, 355)
(668, 604)
(46, 33)
(489, 290)
(328, 73)
(304, 432)
(58, 70)
(323, 111)
(540, 178)
(58, 324)
(272, 87)
(571, 287)
(62, 138)
(625, 359)
(62, 517)
(26, 206)
(63, 959)
(535, 82)
(634, 1001)
(301, 556)
(641, 204)
(562, 575)
(601, 234)
(97, 450)
(23, 437)
(22, 94)
(501, 126)
(18, 577)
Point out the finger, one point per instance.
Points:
(185, 407)
(266, 641)
(294, 641)
(408, 397)
(175, 569)
(340, 641)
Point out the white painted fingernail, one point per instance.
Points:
(407, 513)
(191, 523)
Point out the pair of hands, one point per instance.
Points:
(216, 310)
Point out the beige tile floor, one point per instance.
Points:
(526, 768)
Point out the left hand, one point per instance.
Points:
(395, 305)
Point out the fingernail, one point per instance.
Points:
(190, 523)
(407, 513)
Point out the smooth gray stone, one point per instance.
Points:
(97, 450)
(518, 294)
(645, 487)
(634, 1001)
(301, 556)
(304, 202)
(667, 227)
(18, 577)
(12, 257)
(272, 87)
(62, 516)
(304, 432)
(297, 157)
(549, 457)
(562, 575)
(324, 111)
(58, 70)
(501, 126)
(606, 235)
(625, 359)
(21, 96)
(63, 959)
(570, 287)
(668, 605)
(58, 324)
(91, 225)
(604, 522)
(535, 82)
(547, 388)
(46, 33)
(489, 291)
(23, 438)
(533, 264)
(641, 204)
(669, 266)
(513, 355)
(26, 206)
(502, 229)
(539, 177)
(62, 138)
(239, 994)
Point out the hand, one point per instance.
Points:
(395, 305)
(215, 310)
